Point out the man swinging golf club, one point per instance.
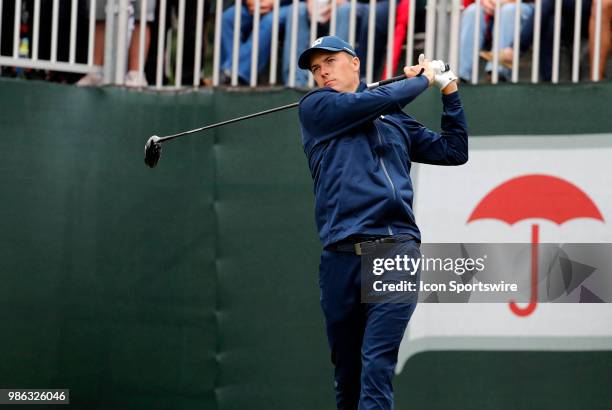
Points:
(360, 146)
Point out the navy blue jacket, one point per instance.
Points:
(360, 147)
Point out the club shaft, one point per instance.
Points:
(387, 81)
(245, 117)
(271, 110)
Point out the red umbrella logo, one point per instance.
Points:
(535, 196)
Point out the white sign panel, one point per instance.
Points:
(560, 186)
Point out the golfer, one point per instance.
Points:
(360, 146)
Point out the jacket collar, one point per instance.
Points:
(362, 86)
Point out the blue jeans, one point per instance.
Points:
(364, 338)
(380, 34)
(506, 35)
(342, 31)
(547, 30)
(246, 40)
(303, 37)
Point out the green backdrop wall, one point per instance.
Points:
(194, 285)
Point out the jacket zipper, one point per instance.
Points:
(384, 168)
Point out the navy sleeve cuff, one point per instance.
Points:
(451, 100)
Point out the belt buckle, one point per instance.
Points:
(357, 248)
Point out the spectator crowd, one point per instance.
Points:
(328, 18)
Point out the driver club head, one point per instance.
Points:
(152, 151)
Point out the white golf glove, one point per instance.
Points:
(443, 75)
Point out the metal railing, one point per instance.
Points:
(441, 39)
(32, 60)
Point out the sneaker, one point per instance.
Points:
(90, 80)
(133, 79)
(225, 77)
(504, 57)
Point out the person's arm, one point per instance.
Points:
(450, 88)
(450, 147)
(250, 5)
(266, 6)
(325, 113)
(488, 6)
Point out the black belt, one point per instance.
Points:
(353, 246)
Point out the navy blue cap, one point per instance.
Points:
(329, 43)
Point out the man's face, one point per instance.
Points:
(335, 69)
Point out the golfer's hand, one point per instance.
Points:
(450, 88)
(444, 78)
(422, 66)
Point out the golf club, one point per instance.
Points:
(153, 146)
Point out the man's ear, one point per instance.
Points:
(356, 64)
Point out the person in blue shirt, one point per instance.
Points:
(360, 146)
(245, 49)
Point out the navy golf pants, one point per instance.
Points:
(364, 338)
